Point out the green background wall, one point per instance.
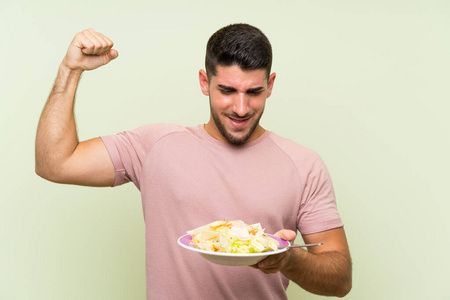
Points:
(364, 83)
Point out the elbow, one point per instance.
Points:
(45, 172)
(40, 166)
(41, 172)
(344, 292)
(346, 280)
(345, 289)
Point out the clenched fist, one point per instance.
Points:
(89, 50)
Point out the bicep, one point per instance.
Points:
(333, 240)
(89, 165)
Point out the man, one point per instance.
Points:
(230, 168)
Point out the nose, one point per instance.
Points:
(240, 105)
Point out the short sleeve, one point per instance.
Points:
(129, 149)
(318, 210)
(121, 175)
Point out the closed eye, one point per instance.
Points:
(226, 92)
(254, 93)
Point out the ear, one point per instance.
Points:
(270, 83)
(204, 84)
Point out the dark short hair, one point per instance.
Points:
(238, 44)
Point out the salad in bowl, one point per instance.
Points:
(232, 243)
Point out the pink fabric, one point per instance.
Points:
(188, 179)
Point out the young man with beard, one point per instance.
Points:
(229, 168)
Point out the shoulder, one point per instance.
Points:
(158, 129)
(152, 132)
(293, 149)
(146, 136)
(306, 160)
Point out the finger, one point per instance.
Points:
(106, 44)
(106, 40)
(84, 43)
(269, 262)
(267, 270)
(88, 42)
(268, 266)
(98, 45)
(94, 43)
(270, 270)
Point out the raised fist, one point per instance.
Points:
(89, 50)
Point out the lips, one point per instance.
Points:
(238, 123)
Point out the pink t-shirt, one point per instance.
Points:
(188, 179)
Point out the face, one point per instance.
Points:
(237, 99)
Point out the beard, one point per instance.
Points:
(232, 139)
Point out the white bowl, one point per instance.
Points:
(232, 259)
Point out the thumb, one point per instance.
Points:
(111, 54)
(94, 61)
(103, 59)
(286, 234)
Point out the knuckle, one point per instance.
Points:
(79, 35)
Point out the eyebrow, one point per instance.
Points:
(232, 89)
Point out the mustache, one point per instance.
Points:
(236, 116)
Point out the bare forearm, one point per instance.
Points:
(326, 273)
(56, 136)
